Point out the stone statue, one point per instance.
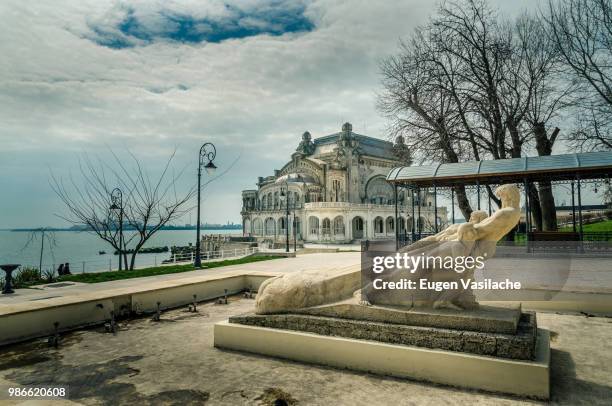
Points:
(401, 151)
(478, 237)
(306, 146)
(450, 233)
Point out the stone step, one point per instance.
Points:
(486, 319)
(520, 346)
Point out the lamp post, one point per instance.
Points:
(207, 152)
(294, 230)
(117, 204)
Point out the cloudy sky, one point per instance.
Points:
(91, 77)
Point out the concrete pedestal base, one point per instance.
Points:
(521, 345)
(522, 378)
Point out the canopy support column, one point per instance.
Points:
(395, 223)
(435, 208)
(527, 213)
(579, 207)
(573, 208)
(413, 220)
(453, 204)
(419, 222)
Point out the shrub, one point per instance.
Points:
(49, 276)
(26, 276)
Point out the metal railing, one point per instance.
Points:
(211, 255)
(144, 260)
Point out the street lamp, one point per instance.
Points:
(117, 204)
(207, 153)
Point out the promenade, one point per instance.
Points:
(42, 294)
(149, 362)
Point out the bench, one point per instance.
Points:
(553, 236)
(553, 241)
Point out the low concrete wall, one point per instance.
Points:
(36, 319)
(26, 325)
(33, 319)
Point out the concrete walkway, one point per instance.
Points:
(174, 362)
(42, 293)
(582, 275)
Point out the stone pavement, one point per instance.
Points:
(301, 262)
(174, 362)
(582, 274)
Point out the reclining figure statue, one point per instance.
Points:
(476, 238)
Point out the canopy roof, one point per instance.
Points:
(589, 165)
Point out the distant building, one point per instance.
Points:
(338, 192)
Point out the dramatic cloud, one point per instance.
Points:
(126, 25)
(151, 76)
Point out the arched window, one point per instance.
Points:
(313, 225)
(276, 201)
(270, 226)
(281, 224)
(390, 225)
(336, 191)
(409, 224)
(379, 226)
(357, 225)
(257, 226)
(297, 227)
(379, 191)
(339, 225)
(326, 226)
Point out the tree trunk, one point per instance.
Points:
(452, 157)
(547, 200)
(492, 196)
(125, 258)
(133, 261)
(463, 202)
(547, 203)
(535, 207)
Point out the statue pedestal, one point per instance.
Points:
(521, 378)
(486, 319)
(497, 349)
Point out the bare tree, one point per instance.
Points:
(550, 96)
(470, 85)
(582, 33)
(45, 235)
(148, 203)
(417, 106)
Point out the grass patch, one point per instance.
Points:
(97, 277)
(600, 226)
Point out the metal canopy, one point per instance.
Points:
(588, 165)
